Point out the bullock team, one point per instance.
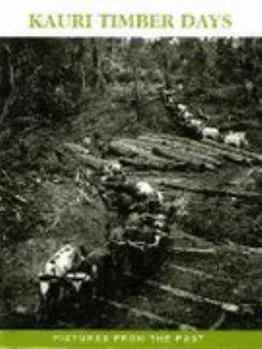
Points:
(195, 127)
(136, 240)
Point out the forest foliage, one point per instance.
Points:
(48, 81)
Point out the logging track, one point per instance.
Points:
(192, 289)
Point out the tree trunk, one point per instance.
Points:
(137, 98)
(98, 77)
(7, 70)
(168, 84)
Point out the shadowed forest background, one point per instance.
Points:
(54, 91)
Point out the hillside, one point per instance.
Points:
(111, 91)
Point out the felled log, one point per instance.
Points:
(206, 146)
(163, 153)
(177, 292)
(190, 147)
(156, 138)
(255, 156)
(126, 148)
(83, 154)
(145, 165)
(194, 250)
(122, 150)
(131, 148)
(171, 150)
(240, 249)
(194, 164)
(195, 154)
(213, 191)
(77, 148)
(178, 151)
(145, 160)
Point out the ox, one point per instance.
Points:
(112, 167)
(87, 141)
(211, 133)
(182, 108)
(196, 122)
(102, 266)
(185, 117)
(145, 190)
(116, 167)
(53, 278)
(236, 139)
(192, 130)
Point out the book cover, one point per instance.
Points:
(131, 177)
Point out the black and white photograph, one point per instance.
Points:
(131, 183)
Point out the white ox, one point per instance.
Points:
(116, 167)
(62, 261)
(182, 108)
(196, 122)
(113, 167)
(87, 141)
(66, 260)
(145, 189)
(211, 133)
(236, 139)
(187, 115)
